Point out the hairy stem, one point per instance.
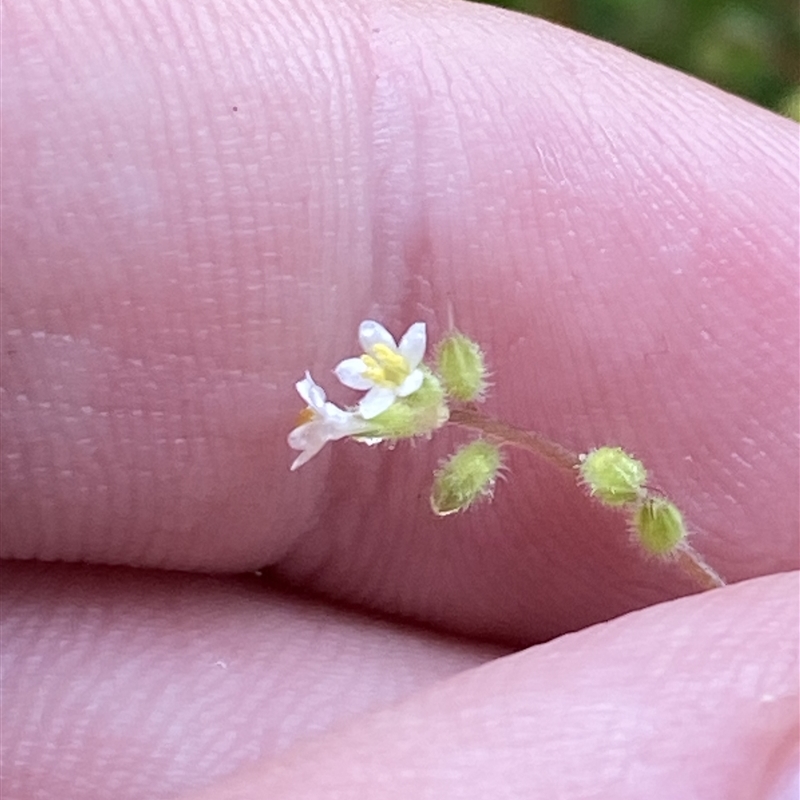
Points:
(693, 565)
(686, 557)
(507, 434)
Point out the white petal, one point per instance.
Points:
(300, 436)
(316, 398)
(306, 455)
(413, 344)
(310, 438)
(375, 402)
(336, 416)
(411, 383)
(350, 373)
(303, 389)
(371, 333)
(340, 423)
(311, 392)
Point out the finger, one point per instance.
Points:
(620, 238)
(143, 685)
(694, 699)
(591, 239)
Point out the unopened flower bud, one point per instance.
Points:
(462, 368)
(613, 476)
(468, 475)
(658, 525)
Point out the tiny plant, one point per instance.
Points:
(405, 398)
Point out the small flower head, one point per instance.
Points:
(613, 476)
(658, 525)
(462, 368)
(468, 475)
(386, 370)
(319, 422)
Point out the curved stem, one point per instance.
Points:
(686, 557)
(508, 434)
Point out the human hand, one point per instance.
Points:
(206, 201)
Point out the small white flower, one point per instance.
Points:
(320, 422)
(386, 369)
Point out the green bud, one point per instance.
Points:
(613, 476)
(659, 525)
(462, 368)
(419, 414)
(465, 477)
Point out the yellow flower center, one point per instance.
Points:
(384, 367)
(306, 415)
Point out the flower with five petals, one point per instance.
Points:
(386, 370)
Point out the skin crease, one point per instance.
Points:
(155, 667)
(208, 200)
(531, 715)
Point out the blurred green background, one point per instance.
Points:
(746, 47)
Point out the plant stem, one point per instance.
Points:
(686, 557)
(528, 440)
(693, 565)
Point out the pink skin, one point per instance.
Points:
(622, 239)
(620, 711)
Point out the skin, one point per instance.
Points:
(201, 202)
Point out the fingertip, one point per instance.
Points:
(694, 699)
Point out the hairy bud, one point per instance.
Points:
(468, 475)
(613, 476)
(462, 368)
(659, 525)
